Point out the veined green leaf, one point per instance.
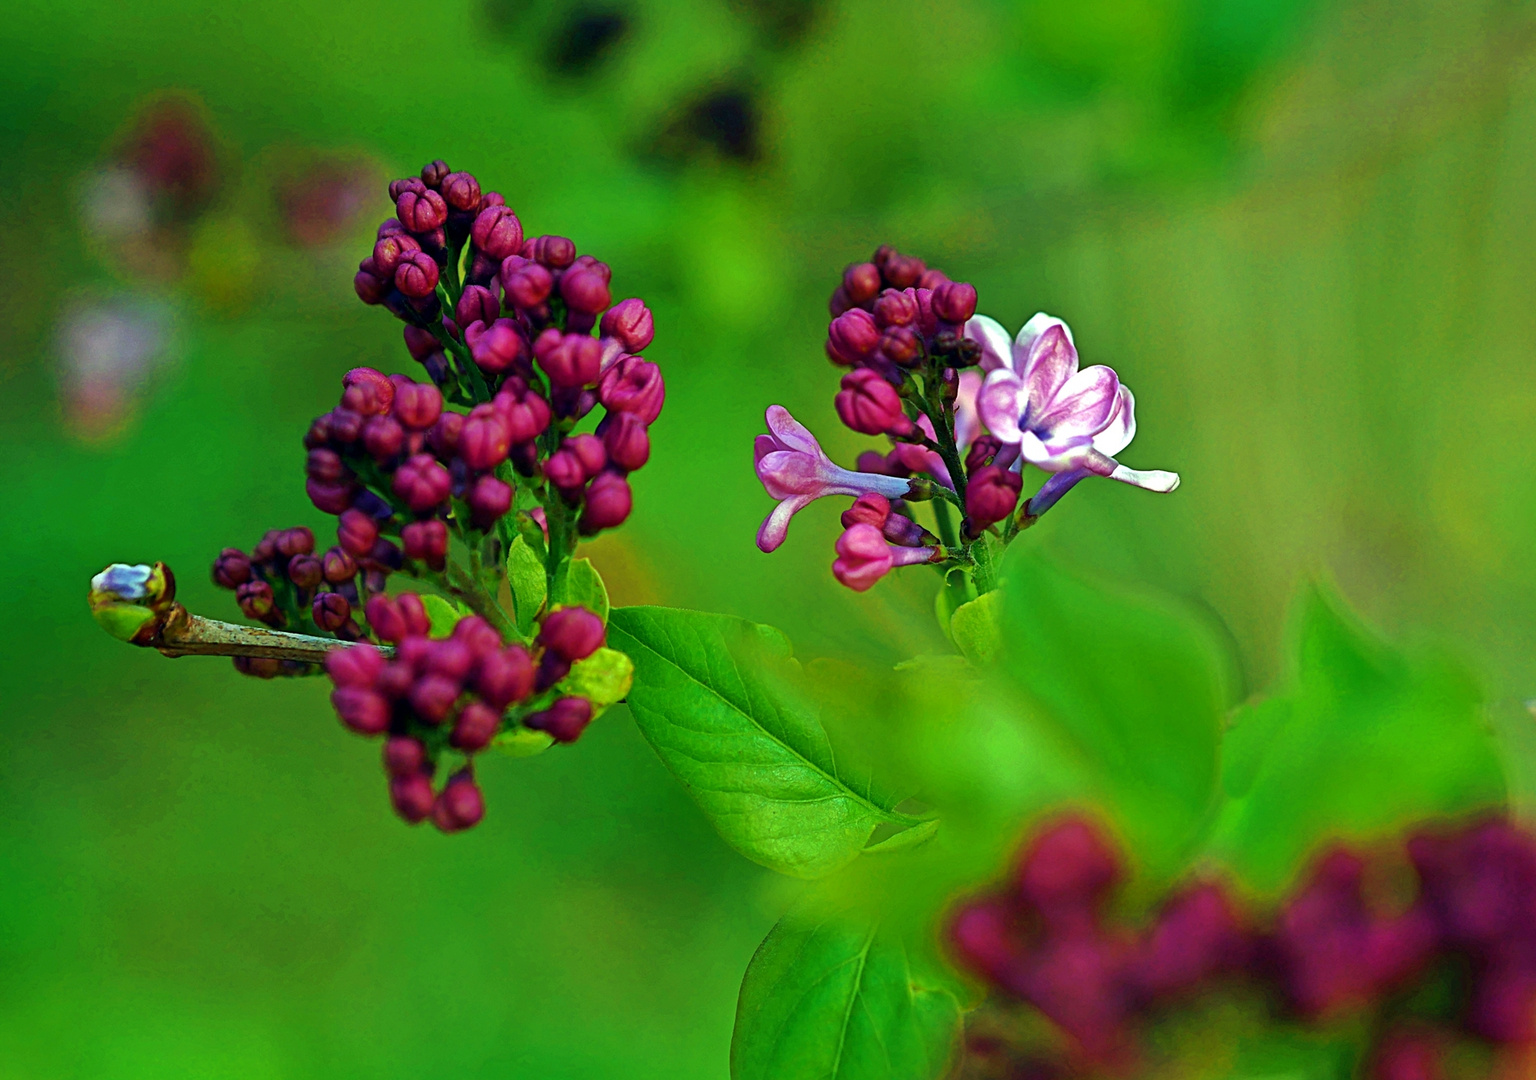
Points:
(528, 580)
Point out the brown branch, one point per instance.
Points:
(186, 634)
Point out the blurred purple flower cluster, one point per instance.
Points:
(1354, 937)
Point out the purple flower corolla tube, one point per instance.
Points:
(796, 471)
(1067, 421)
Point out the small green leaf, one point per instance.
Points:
(602, 678)
(581, 585)
(522, 742)
(714, 696)
(975, 628)
(834, 1000)
(528, 580)
(443, 615)
(1136, 682)
(958, 589)
(920, 833)
(1363, 741)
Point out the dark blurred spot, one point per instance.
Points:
(506, 18)
(170, 146)
(319, 200)
(586, 38)
(782, 23)
(723, 121)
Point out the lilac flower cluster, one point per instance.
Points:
(1340, 944)
(456, 693)
(500, 320)
(964, 410)
(286, 585)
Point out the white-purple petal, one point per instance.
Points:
(789, 431)
(1082, 407)
(1121, 429)
(996, 350)
(1151, 480)
(1052, 360)
(1000, 403)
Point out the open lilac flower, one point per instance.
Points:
(796, 471)
(1067, 421)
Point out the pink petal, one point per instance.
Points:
(1000, 403)
(1038, 324)
(1081, 408)
(762, 446)
(791, 432)
(1051, 362)
(996, 352)
(775, 526)
(789, 473)
(967, 423)
(1121, 429)
(1056, 455)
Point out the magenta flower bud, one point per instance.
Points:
(434, 173)
(555, 252)
(399, 187)
(497, 231)
(488, 499)
(902, 271)
(255, 600)
(357, 666)
(417, 405)
(570, 360)
(477, 304)
(367, 392)
(525, 283)
(589, 451)
(318, 433)
(305, 571)
(421, 211)
(863, 557)
(383, 437)
(870, 405)
(861, 282)
(231, 569)
(325, 465)
(389, 226)
(330, 498)
(853, 335)
(626, 440)
(370, 286)
(526, 413)
(414, 612)
(421, 342)
(871, 508)
(433, 696)
(496, 346)
(505, 677)
(485, 440)
(298, 541)
(634, 386)
(364, 711)
(388, 252)
(422, 483)
(629, 323)
(356, 532)
(894, 309)
(932, 279)
(585, 290)
(1068, 865)
(572, 633)
(839, 302)
(386, 620)
(338, 566)
(461, 191)
(609, 501)
(426, 541)
(564, 721)
(901, 346)
(479, 636)
(460, 805)
(416, 276)
(412, 797)
(451, 659)
(345, 426)
(405, 756)
(476, 727)
(982, 452)
(330, 611)
(954, 301)
(563, 470)
(990, 496)
(445, 434)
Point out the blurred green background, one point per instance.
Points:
(1303, 231)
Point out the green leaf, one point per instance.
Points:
(714, 695)
(443, 615)
(602, 678)
(958, 589)
(975, 629)
(833, 1000)
(1363, 741)
(579, 583)
(522, 742)
(1136, 682)
(528, 579)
